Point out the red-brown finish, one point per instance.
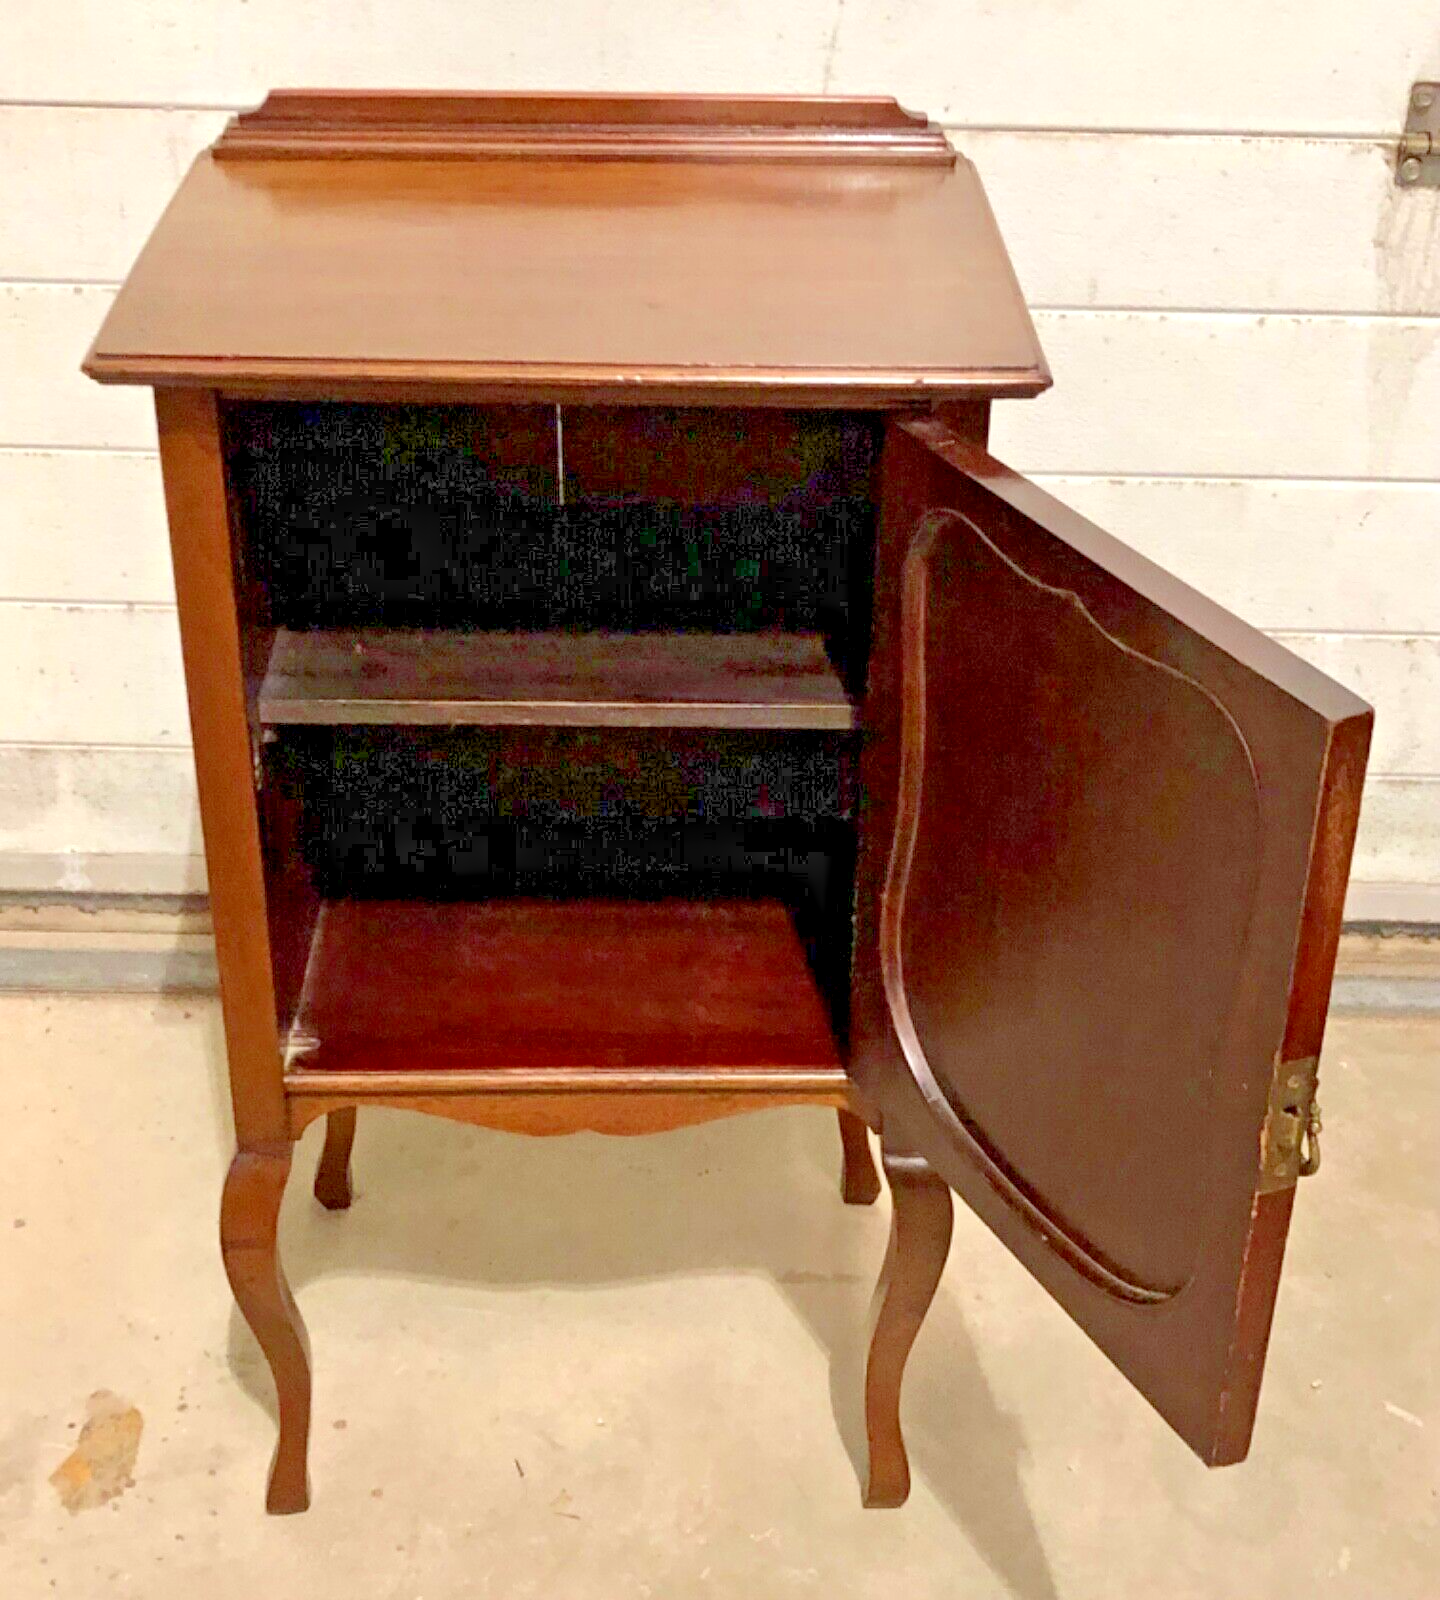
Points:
(1093, 869)
(1106, 827)
(717, 456)
(306, 123)
(549, 1105)
(463, 278)
(249, 1219)
(570, 680)
(332, 1174)
(859, 1181)
(210, 637)
(587, 986)
(920, 1225)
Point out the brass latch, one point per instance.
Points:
(1290, 1142)
(1417, 162)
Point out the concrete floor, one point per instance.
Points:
(627, 1368)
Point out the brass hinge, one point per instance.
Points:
(1417, 161)
(1290, 1141)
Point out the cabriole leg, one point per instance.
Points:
(859, 1181)
(914, 1259)
(249, 1222)
(332, 1175)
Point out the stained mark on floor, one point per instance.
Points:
(102, 1465)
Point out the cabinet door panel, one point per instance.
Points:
(1107, 833)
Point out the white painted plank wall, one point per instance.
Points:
(1290, 66)
(1242, 311)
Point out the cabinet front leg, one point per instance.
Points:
(914, 1259)
(249, 1224)
(859, 1181)
(332, 1174)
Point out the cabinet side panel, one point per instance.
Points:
(192, 460)
(292, 904)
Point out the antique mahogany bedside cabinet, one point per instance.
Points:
(626, 693)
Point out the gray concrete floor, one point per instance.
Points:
(630, 1367)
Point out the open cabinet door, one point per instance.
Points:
(1107, 837)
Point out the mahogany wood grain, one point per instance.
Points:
(573, 680)
(332, 1174)
(1105, 826)
(616, 1111)
(1091, 848)
(859, 1181)
(589, 986)
(762, 457)
(292, 901)
(827, 1085)
(464, 276)
(303, 123)
(249, 1221)
(192, 463)
(547, 109)
(921, 1220)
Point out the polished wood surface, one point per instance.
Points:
(572, 680)
(859, 1181)
(302, 123)
(837, 283)
(921, 1220)
(1105, 828)
(332, 1174)
(249, 1223)
(585, 986)
(755, 456)
(546, 1111)
(196, 503)
(1090, 851)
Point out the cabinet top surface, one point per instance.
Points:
(830, 251)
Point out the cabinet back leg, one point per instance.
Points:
(332, 1175)
(859, 1181)
(920, 1228)
(249, 1225)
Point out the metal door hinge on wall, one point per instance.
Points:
(1417, 162)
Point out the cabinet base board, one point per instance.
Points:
(618, 1111)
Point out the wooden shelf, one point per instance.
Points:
(524, 994)
(629, 680)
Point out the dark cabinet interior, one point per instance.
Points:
(520, 653)
(522, 517)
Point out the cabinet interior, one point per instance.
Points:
(514, 655)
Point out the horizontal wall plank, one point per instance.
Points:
(45, 330)
(1229, 395)
(1136, 392)
(1111, 220)
(82, 525)
(1281, 554)
(39, 876)
(1330, 65)
(186, 52)
(1327, 66)
(59, 799)
(80, 188)
(88, 675)
(1249, 224)
(1400, 677)
(1399, 839)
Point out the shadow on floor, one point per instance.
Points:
(582, 1211)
